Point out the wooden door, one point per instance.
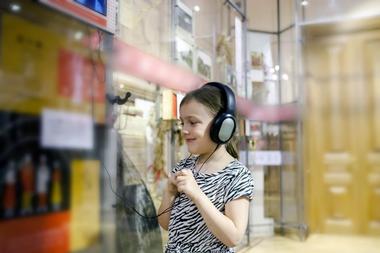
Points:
(342, 128)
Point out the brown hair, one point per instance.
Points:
(210, 97)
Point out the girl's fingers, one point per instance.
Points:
(172, 180)
(181, 183)
(181, 187)
(183, 172)
(180, 178)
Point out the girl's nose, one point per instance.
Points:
(185, 131)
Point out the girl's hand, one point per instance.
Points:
(171, 186)
(186, 183)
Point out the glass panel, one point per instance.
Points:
(53, 130)
(286, 14)
(273, 86)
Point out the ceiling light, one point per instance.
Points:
(304, 2)
(78, 35)
(15, 7)
(197, 8)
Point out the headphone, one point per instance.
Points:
(224, 123)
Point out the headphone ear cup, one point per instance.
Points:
(223, 128)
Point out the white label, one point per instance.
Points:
(273, 158)
(61, 129)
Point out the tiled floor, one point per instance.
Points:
(316, 243)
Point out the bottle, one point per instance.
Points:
(56, 190)
(9, 199)
(27, 185)
(42, 184)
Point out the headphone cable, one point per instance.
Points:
(134, 209)
(121, 198)
(178, 195)
(197, 172)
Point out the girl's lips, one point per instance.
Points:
(190, 140)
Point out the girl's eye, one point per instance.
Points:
(191, 123)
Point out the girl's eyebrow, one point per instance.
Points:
(189, 117)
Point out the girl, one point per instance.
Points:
(206, 202)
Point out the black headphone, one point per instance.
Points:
(224, 124)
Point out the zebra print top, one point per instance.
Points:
(188, 233)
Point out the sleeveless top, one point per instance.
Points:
(188, 233)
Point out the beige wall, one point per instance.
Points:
(262, 15)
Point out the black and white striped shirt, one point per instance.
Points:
(188, 232)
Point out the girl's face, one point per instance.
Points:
(196, 121)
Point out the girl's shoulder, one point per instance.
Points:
(237, 171)
(236, 167)
(240, 180)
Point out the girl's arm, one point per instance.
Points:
(230, 227)
(167, 202)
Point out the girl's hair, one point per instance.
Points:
(210, 97)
